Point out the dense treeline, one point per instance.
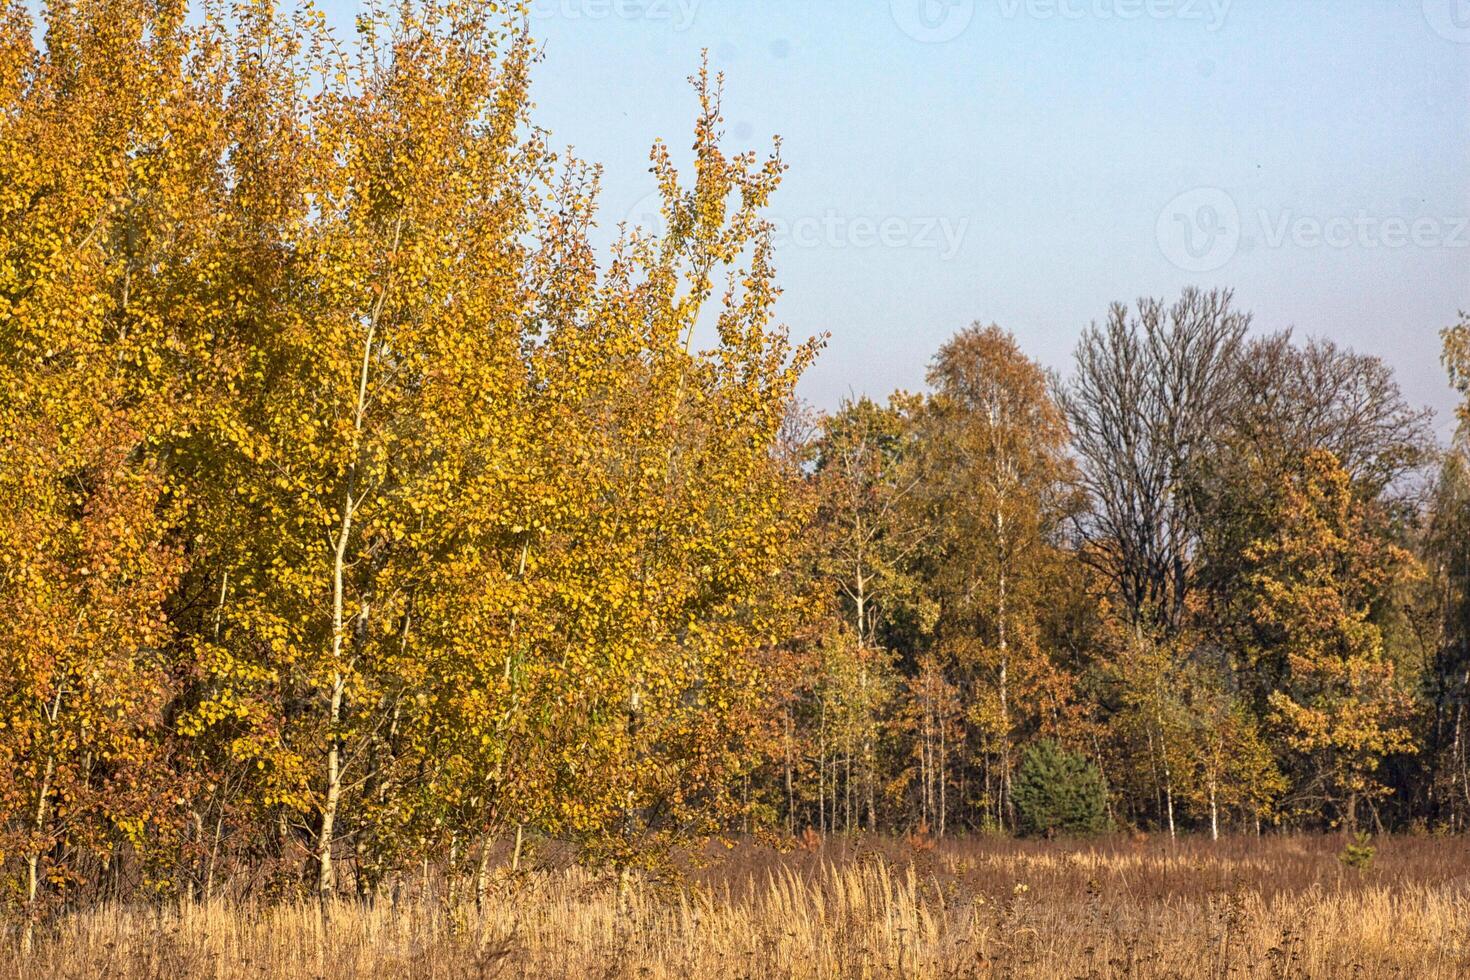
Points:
(351, 513)
(354, 515)
(1224, 566)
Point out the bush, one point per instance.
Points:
(1358, 854)
(1057, 791)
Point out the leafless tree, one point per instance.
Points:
(1148, 397)
(1293, 398)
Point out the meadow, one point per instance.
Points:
(1283, 906)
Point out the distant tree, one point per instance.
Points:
(1317, 573)
(863, 542)
(1291, 398)
(851, 690)
(930, 722)
(1231, 763)
(1147, 399)
(1150, 727)
(1059, 791)
(864, 477)
(1441, 623)
(1457, 359)
(996, 487)
(1288, 401)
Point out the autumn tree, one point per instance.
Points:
(490, 537)
(105, 166)
(864, 540)
(1231, 764)
(1457, 359)
(930, 722)
(371, 451)
(995, 492)
(1316, 577)
(1439, 614)
(1149, 721)
(1291, 399)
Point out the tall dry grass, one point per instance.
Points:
(1283, 907)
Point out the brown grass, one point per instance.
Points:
(1282, 907)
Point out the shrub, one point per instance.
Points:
(1057, 791)
(1358, 854)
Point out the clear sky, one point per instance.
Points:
(1029, 161)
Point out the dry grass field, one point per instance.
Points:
(1278, 907)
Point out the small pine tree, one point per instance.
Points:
(1358, 854)
(1057, 791)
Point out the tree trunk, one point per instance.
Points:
(482, 878)
(943, 779)
(790, 783)
(822, 767)
(867, 749)
(868, 777)
(1169, 802)
(926, 777)
(861, 624)
(33, 862)
(326, 870)
(1214, 813)
(1103, 771)
(1002, 610)
(847, 789)
(33, 859)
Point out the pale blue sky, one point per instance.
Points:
(1029, 161)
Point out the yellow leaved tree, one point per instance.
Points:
(105, 171)
(489, 535)
(1315, 580)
